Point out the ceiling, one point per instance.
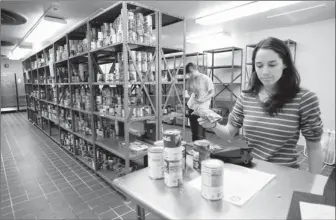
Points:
(75, 11)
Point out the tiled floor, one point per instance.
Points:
(40, 181)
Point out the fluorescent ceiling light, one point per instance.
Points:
(243, 11)
(214, 37)
(46, 28)
(19, 52)
(226, 6)
(295, 11)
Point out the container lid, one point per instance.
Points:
(212, 163)
(159, 143)
(156, 149)
(172, 131)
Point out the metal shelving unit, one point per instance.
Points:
(248, 56)
(232, 69)
(172, 104)
(73, 65)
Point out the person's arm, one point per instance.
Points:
(314, 151)
(225, 132)
(234, 123)
(312, 129)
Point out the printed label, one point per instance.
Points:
(212, 183)
(155, 165)
(173, 153)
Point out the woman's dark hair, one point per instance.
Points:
(288, 85)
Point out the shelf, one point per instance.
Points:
(62, 106)
(112, 146)
(79, 57)
(248, 63)
(61, 84)
(79, 83)
(87, 138)
(121, 83)
(224, 67)
(61, 62)
(69, 152)
(172, 56)
(66, 129)
(44, 66)
(170, 50)
(80, 110)
(81, 159)
(222, 50)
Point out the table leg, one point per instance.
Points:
(141, 213)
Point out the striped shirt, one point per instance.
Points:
(274, 138)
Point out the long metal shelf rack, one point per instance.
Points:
(70, 97)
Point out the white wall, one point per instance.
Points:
(315, 58)
(15, 66)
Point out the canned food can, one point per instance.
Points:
(144, 67)
(173, 153)
(173, 173)
(201, 152)
(172, 138)
(212, 179)
(138, 56)
(139, 66)
(149, 57)
(184, 159)
(155, 162)
(144, 57)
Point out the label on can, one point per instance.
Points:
(172, 173)
(173, 153)
(212, 179)
(172, 138)
(183, 158)
(155, 162)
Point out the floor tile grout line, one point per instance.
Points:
(10, 198)
(72, 159)
(16, 164)
(78, 176)
(39, 184)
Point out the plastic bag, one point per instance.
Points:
(207, 113)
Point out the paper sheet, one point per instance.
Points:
(316, 211)
(240, 183)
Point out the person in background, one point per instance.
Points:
(274, 109)
(200, 89)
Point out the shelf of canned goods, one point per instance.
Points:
(97, 90)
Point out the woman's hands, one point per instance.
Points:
(204, 122)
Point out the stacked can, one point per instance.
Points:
(140, 27)
(201, 152)
(212, 179)
(148, 31)
(132, 35)
(173, 155)
(155, 160)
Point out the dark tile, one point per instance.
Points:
(9, 216)
(113, 200)
(5, 203)
(47, 213)
(59, 208)
(50, 189)
(95, 202)
(40, 203)
(79, 208)
(87, 215)
(62, 186)
(22, 205)
(19, 199)
(6, 210)
(28, 217)
(108, 215)
(90, 195)
(130, 216)
(101, 209)
(121, 210)
(80, 186)
(84, 191)
(22, 213)
(4, 197)
(53, 195)
(76, 182)
(66, 215)
(60, 180)
(97, 186)
(35, 194)
(103, 191)
(76, 201)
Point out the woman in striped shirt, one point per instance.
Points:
(274, 109)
